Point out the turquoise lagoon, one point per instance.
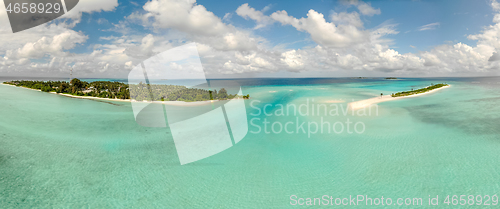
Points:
(59, 152)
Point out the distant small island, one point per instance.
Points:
(391, 78)
(122, 91)
(419, 91)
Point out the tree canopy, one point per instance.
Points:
(418, 91)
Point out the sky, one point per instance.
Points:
(246, 39)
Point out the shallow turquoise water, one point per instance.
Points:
(59, 152)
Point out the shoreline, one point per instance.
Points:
(173, 103)
(368, 102)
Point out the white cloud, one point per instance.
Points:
(102, 21)
(199, 24)
(367, 9)
(248, 12)
(293, 59)
(185, 16)
(48, 45)
(89, 6)
(495, 5)
(24, 53)
(347, 19)
(144, 50)
(321, 31)
(227, 16)
(109, 60)
(494, 57)
(457, 58)
(364, 8)
(431, 26)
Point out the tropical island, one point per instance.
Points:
(419, 91)
(405, 94)
(391, 78)
(121, 91)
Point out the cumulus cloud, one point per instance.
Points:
(144, 50)
(49, 42)
(248, 12)
(457, 58)
(494, 57)
(185, 16)
(198, 23)
(293, 59)
(54, 46)
(107, 60)
(89, 6)
(321, 31)
(44, 50)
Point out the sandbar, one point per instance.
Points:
(367, 102)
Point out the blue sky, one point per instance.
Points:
(125, 25)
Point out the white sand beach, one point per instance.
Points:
(367, 102)
(87, 97)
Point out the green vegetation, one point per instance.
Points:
(117, 90)
(391, 78)
(102, 89)
(418, 91)
(144, 91)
